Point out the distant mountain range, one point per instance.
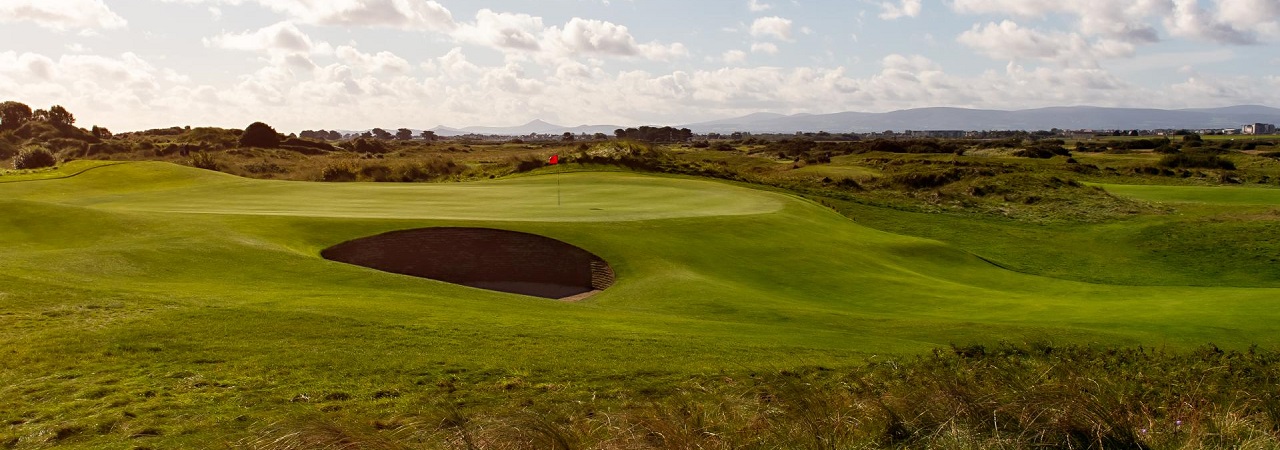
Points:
(534, 127)
(1067, 118)
(933, 119)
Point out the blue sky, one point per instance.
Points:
(354, 64)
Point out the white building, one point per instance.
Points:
(1258, 128)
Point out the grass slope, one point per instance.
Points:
(173, 304)
(1229, 195)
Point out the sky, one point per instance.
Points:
(357, 64)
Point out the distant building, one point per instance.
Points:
(1258, 128)
(941, 134)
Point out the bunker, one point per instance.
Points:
(485, 258)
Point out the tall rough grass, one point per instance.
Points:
(1009, 397)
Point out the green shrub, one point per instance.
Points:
(202, 160)
(259, 134)
(264, 167)
(34, 158)
(1197, 160)
(7, 149)
(363, 145)
(341, 171)
(307, 146)
(375, 172)
(1043, 150)
(529, 162)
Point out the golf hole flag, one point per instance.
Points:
(555, 159)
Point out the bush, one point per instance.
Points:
(928, 180)
(7, 149)
(1196, 160)
(202, 160)
(363, 145)
(34, 158)
(1140, 144)
(264, 167)
(259, 134)
(1043, 150)
(307, 146)
(528, 162)
(342, 171)
(375, 172)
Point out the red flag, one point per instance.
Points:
(555, 159)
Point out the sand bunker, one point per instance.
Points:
(498, 260)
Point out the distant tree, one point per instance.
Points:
(429, 136)
(334, 136)
(41, 115)
(382, 134)
(60, 116)
(13, 115)
(100, 132)
(259, 134)
(620, 133)
(364, 145)
(366, 135)
(600, 137)
(567, 137)
(404, 134)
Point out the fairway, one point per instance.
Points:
(150, 271)
(1225, 195)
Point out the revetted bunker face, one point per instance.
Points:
(499, 260)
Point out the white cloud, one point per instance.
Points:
(758, 6)
(594, 36)
(1008, 40)
(1227, 22)
(1190, 20)
(526, 34)
(1121, 20)
(734, 57)
(403, 14)
(905, 8)
(773, 26)
(503, 30)
(767, 48)
(61, 15)
(381, 62)
(281, 37)
(116, 91)
(657, 52)
(455, 65)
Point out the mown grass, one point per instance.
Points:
(155, 305)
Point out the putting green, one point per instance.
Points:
(1224, 195)
(567, 197)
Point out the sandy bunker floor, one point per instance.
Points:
(486, 258)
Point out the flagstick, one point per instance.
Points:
(558, 187)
